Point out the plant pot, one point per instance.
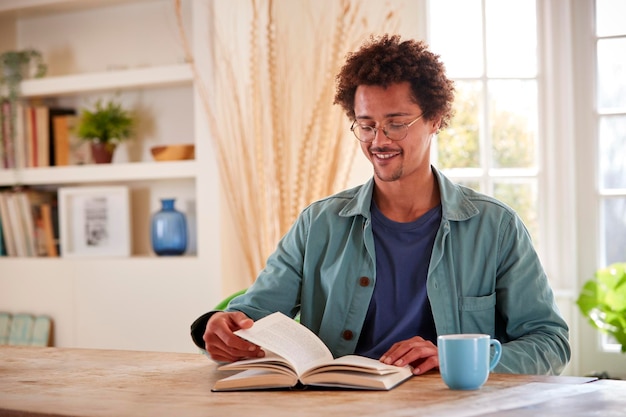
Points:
(102, 153)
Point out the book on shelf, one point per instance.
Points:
(28, 222)
(68, 149)
(37, 136)
(7, 230)
(6, 133)
(55, 113)
(3, 251)
(19, 148)
(295, 357)
(49, 231)
(16, 224)
(37, 209)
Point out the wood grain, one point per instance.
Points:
(37, 381)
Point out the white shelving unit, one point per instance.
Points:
(130, 48)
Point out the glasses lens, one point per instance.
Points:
(364, 133)
(395, 131)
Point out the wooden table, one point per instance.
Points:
(85, 382)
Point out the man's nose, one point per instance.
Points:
(380, 137)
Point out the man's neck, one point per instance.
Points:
(407, 199)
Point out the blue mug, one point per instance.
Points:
(464, 359)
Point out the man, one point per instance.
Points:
(382, 269)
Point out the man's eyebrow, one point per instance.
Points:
(387, 116)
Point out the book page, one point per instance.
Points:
(289, 339)
(255, 379)
(355, 363)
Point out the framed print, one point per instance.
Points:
(94, 221)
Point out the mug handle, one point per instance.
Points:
(497, 352)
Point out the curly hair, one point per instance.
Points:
(387, 60)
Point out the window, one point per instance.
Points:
(611, 128)
(492, 143)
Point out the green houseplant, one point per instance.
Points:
(16, 66)
(603, 301)
(105, 126)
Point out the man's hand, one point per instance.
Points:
(419, 353)
(222, 344)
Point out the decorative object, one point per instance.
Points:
(173, 152)
(603, 301)
(105, 127)
(290, 145)
(16, 66)
(94, 221)
(168, 230)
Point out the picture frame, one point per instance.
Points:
(94, 221)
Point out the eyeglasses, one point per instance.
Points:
(393, 130)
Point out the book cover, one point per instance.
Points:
(7, 231)
(42, 121)
(55, 129)
(2, 158)
(296, 356)
(30, 125)
(20, 137)
(17, 229)
(37, 203)
(2, 248)
(69, 149)
(50, 240)
(8, 151)
(27, 223)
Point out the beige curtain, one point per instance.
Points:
(281, 142)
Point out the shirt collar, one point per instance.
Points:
(455, 204)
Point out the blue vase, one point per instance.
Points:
(168, 230)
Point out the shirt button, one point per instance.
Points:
(347, 334)
(364, 281)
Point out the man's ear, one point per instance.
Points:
(434, 125)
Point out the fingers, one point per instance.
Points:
(421, 367)
(417, 352)
(222, 344)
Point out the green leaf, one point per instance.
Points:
(603, 301)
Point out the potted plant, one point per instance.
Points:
(603, 301)
(16, 66)
(107, 125)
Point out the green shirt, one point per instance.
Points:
(484, 277)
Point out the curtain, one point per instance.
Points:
(281, 142)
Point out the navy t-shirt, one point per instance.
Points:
(399, 308)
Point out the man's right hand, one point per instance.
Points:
(222, 344)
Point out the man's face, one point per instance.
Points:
(394, 160)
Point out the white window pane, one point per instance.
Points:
(511, 27)
(612, 153)
(614, 228)
(513, 123)
(455, 28)
(458, 145)
(610, 17)
(612, 74)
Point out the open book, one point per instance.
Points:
(295, 356)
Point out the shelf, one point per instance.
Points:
(40, 7)
(110, 80)
(146, 262)
(99, 173)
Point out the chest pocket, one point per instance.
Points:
(477, 314)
